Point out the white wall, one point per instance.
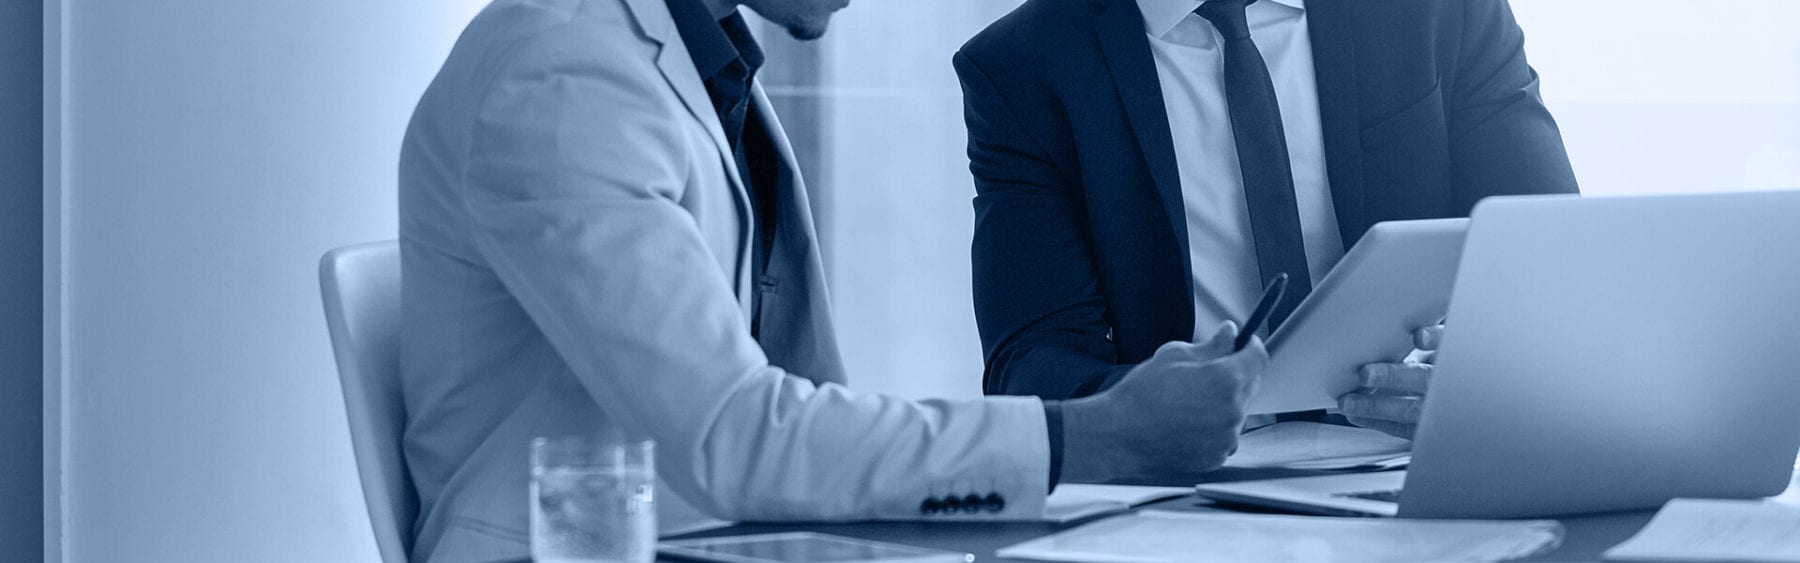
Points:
(215, 149)
(897, 191)
(1660, 96)
(21, 272)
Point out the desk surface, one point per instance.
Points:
(1586, 538)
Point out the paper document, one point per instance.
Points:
(1200, 537)
(1072, 502)
(1310, 445)
(1698, 529)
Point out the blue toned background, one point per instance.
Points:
(215, 149)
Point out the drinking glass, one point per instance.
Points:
(593, 500)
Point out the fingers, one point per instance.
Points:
(1428, 338)
(1254, 355)
(1219, 344)
(1242, 371)
(1396, 429)
(1171, 348)
(1256, 359)
(1393, 398)
(1248, 362)
(1403, 409)
(1401, 378)
(1211, 368)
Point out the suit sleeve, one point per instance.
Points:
(1043, 321)
(1503, 140)
(577, 166)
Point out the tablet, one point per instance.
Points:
(797, 547)
(1394, 281)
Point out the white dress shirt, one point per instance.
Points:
(1190, 64)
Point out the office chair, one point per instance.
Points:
(361, 287)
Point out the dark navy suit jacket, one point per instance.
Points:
(1080, 253)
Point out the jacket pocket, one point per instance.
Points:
(1406, 162)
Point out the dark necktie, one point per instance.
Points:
(1263, 156)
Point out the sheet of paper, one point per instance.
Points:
(1074, 501)
(1703, 529)
(1202, 537)
(1371, 462)
(1310, 445)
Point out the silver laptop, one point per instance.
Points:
(1606, 353)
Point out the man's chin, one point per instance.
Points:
(809, 30)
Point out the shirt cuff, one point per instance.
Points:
(1053, 423)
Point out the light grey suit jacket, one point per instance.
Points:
(576, 244)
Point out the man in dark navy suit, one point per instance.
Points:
(1143, 167)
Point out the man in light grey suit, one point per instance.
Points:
(603, 230)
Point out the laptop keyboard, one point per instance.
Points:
(1378, 496)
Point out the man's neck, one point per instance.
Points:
(720, 8)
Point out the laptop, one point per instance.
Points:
(1601, 354)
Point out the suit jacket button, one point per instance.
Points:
(971, 504)
(929, 507)
(951, 504)
(994, 502)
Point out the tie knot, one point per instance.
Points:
(1227, 16)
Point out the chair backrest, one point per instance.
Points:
(361, 287)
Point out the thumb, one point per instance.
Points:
(1428, 338)
(1220, 344)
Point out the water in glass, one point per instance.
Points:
(592, 505)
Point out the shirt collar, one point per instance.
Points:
(714, 44)
(1161, 16)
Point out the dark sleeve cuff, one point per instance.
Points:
(1053, 421)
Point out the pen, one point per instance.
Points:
(1271, 295)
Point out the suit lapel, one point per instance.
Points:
(1334, 63)
(797, 324)
(790, 165)
(793, 185)
(1120, 29)
(677, 67)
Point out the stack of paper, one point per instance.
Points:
(1713, 530)
(1310, 445)
(1073, 501)
(1201, 537)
